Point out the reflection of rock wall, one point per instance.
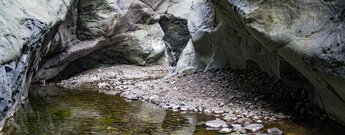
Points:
(151, 113)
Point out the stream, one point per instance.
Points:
(55, 111)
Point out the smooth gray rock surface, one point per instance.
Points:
(13, 30)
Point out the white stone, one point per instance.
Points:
(237, 127)
(254, 127)
(225, 130)
(216, 123)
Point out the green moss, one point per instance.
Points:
(63, 114)
(109, 120)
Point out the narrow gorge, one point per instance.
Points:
(241, 66)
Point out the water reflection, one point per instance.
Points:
(55, 111)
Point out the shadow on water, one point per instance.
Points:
(53, 110)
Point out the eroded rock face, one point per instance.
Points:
(27, 30)
(43, 38)
(14, 15)
(51, 39)
(109, 32)
(301, 42)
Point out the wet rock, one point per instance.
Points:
(130, 96)
(212, 129)
(255, 117)
(208, 111)
(242, 121)
(184, 108)
(254, 127)
(281, 116)
(175, 107)
(102, 84)
(218, 123)
(229, 117)
(225, 130)
(200, 123)
(274, 131)
(237, 127)
(218, 111)
(259, 121)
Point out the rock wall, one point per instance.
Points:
(298, 41)
(27, 29)
(42, 40)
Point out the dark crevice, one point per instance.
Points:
(176, 36)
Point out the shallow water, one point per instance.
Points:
(54, 111)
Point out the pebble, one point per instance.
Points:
(254, 127)
(200, 109)
(212, 129)
(256, 117)
(216, 123)
(242, 121)
(153, 97)
(274, 131)
(207, 111)
(102, 84)
(218, 111)
(230, 117)
(167, 107)
(131, 96)
(259, 121)
(225, 130)
(246, 123)
(281, 116)
(184, 108)
(237, 127)
(200, 123)
(175, 107)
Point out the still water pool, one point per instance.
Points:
(55, 111)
